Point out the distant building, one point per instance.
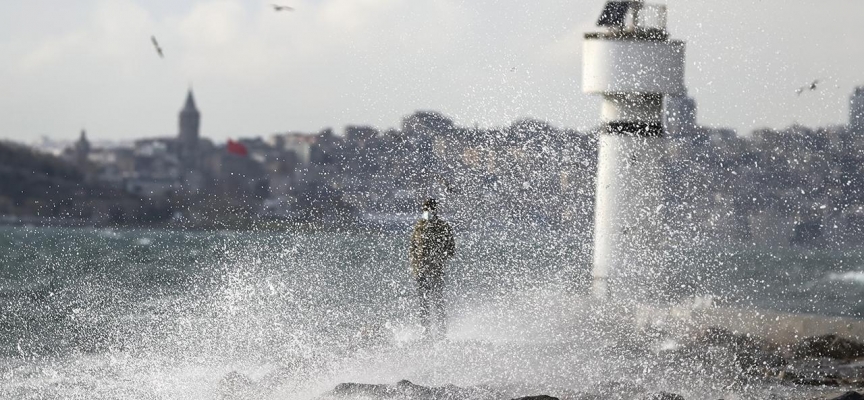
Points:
(426, 124)
(360, 135)
(679, 117)
(298, 143)
(856, 111)
(187, 139)
(154, 159)
(81, 150)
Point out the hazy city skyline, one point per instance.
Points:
(90, 64)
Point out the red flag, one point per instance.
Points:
(237, 148)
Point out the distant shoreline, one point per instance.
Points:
(262, 225)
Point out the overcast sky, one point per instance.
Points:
(68, 65)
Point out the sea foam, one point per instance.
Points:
(851, 276)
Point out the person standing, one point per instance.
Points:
(432, 244)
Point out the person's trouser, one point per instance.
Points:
(431, 294)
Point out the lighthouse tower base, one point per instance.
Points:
(629, 230)
(633, 64)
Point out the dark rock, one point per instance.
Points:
(406, 387)
(812, 373)
(850, 395)
(560, 393)
(540, 397)
(358, 389)
(662, 396)
(407, 390)
(824, 372)
(814, 381)
(828, 346)
(751, 355)
(723, 337)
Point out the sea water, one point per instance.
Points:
(152, 314)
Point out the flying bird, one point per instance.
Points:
(156, 45)
(811, 86)
(277, 8)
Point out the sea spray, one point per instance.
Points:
(292, 315)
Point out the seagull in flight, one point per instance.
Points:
(156, 45)
(277, 8)
(811, 86)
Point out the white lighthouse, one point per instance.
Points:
(633, 64)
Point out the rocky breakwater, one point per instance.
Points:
(405, 390)
(737, 365)
(826, 360)
(818, 367)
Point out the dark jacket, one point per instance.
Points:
(432, 244)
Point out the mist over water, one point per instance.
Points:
(158, 314)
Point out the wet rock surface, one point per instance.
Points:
(850, 395)
(406, 390)
(662, 396)
(753, 356)
(811, 368)
(828, 346)
(826, 360)
(237, 386)
(409, 391)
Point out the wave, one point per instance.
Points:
(851, 276)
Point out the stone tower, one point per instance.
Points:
(187, 139)
(82, 149)
(856, 111)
